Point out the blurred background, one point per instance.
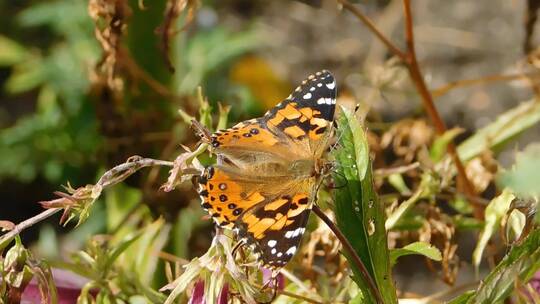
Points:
(78, 97)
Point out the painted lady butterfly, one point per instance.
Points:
(268, 171)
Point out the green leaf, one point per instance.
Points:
(428, 186)
(463, 298)
(519, 265)
(201, 56)
(506, 126)
(10, 51)
(494, 212)
(524, 178)
(359, 213)
(421, 248)
(26, 76)
(119, 249)
(438, 149)
(397, 181)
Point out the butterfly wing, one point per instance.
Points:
(267, 215)
(300, 125)
(306, 115)
(252, 189)
(274, 229)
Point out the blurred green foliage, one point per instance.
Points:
(61, 135)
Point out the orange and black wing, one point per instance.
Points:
(271, 224)
(274, 230)
(300, 124)
(250, 190)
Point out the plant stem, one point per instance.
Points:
(367, 22)
(111, 177)
(26, 224)
(355, 258)
(124, 170)
(438, 92)
(427, 99)
(409, 58)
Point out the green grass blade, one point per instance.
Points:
(519, 265)
(505, 127)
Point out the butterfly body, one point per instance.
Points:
(268, 170)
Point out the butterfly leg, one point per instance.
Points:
(237, 246)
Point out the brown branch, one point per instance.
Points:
(409, 58)
(438, 92)
(124, 170)
(367, 22)
(427, 99)
(355, 258)
(109, 178)
(26, 224)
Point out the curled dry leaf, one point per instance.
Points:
(110, 24)
(439, 231)
(481, 171)
(407, 137)
(184, 167)
(166, 30)
(323, 243)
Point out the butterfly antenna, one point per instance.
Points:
(336, 127)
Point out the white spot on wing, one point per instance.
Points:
(279, 254)
(307, 96)
(327, 101)
(291, 250)
(319, 85)
(298, 231)
(312, 89)
(289, 234)
(272, 243)
(331, 85)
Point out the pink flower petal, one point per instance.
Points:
(223, 297)
(267, 279)
(197, 297)
(68, 286)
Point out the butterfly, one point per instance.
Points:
(268, 171)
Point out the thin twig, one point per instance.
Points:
(409, 58)
(296, 296)
(427, 99)
(383, 172)
(438, 92)
(355, 258)
(26, 224)
(124, 170)
(295, 280)
(293, 295)
(111, 177)
(367, 22)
